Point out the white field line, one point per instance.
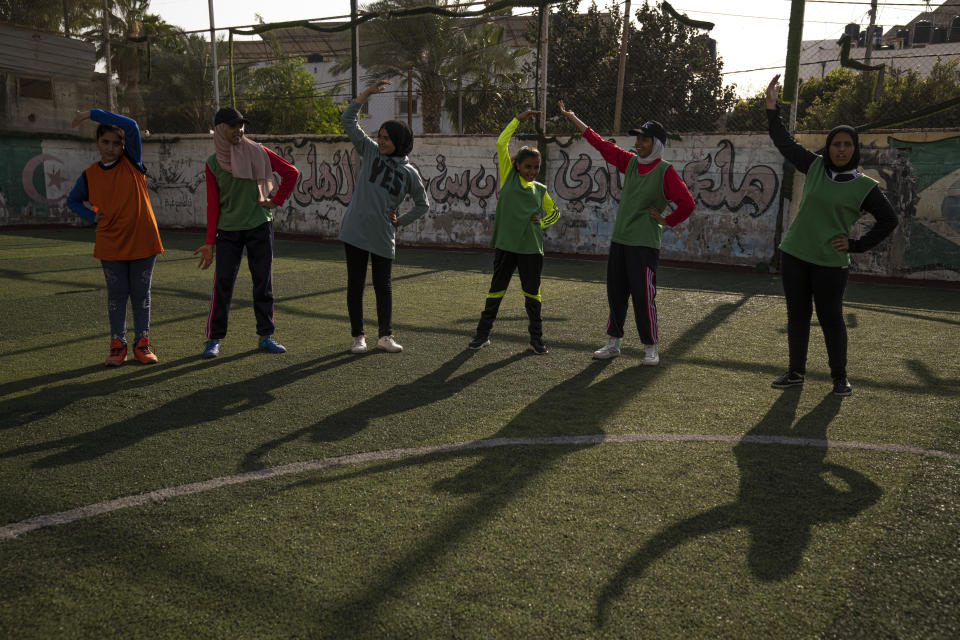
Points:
(13, 530)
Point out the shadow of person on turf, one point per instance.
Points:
(204, 405)
(567, 418)
(784, 493)
(49, 400)
(433, 387)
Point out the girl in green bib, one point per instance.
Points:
(815, 251)
(649, 183)
(524, 209)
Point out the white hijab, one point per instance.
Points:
(656, 154)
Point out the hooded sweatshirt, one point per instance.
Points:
(382, 184)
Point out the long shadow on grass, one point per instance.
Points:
(433, 387)
(206, 405)
(50, 400)
(576, 406)
(783, 494)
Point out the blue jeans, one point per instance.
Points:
(128, 279)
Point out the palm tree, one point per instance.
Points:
(432, 48)
(131, 25)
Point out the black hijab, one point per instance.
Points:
(400, 136)
(854, 159)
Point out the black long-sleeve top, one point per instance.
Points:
(875, 203)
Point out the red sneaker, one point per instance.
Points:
(118, 353)
(142, 353)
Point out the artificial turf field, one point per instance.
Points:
(320, 494)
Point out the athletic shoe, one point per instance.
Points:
(388, 344)
(611, 350)
(211, 349)
(268, 344)
(537, 346)
(359, 345)
(841, 387)
(479, 342)
(787, 380)
(118, 353)
(142, 352)
(650, 355)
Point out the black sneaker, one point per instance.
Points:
(841, 387)
(787, 380)
(479, 342)
(537, 346)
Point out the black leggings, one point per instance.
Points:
(356, 279)
(803, 282)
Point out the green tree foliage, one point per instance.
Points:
(180, 90)
(131, 23)
(583, 61)
(488, 90)
(434, 49)
(282, 98)
(48, 15)
(845, 96)
(671, 75)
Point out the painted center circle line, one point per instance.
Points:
(15, 529)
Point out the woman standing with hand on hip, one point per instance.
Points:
(649, 183)
(524, 209)
(815, 250)
(239, 178)
(368, 231)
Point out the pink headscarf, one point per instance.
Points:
(246, 159)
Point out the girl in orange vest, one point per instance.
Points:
(112, 194)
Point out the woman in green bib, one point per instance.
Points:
(649, 183)
(815, 250)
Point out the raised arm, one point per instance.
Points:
(786, 145)
(571, 116)
(132, 146)
(504, 162)
(361, 141)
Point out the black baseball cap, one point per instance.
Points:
(230, 116)
(651, 129)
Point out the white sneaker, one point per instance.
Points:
(359, 345)
(611, 350)
(650, 355)
(388, 344)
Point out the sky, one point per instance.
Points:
(749, 34)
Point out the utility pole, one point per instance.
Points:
(869, 38)
(66, 20)
(544, 49)
(621, 74)
(106, 50)
(410, 98)
(213, 54)
(354, 51)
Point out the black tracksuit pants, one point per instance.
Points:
(258, 243)
(632, 274)
(806, 285)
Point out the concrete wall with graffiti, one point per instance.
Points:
(735, 179)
